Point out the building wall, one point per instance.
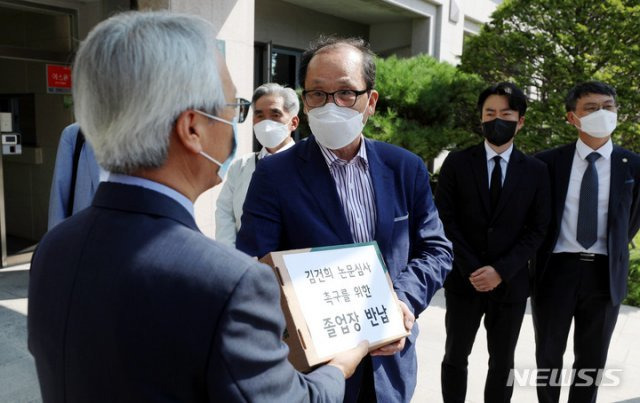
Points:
(391, 38)
(471, 13)
(288, 25)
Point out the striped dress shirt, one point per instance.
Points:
(355, 189)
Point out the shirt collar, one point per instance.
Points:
(583, 150)
(155, 186)
(331, 158)
(264, 152)
(506, 154)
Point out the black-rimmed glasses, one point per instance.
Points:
(317, 98)
(593, 107)
(242, 108)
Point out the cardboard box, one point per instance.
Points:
(334, 297)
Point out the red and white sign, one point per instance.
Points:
(58, 79)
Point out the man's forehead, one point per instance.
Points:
(269, 101)
(494, 100)
(223, 71)
(339, 80)
(491, 108)
(594, 98)
(340, 56)
(271, 108)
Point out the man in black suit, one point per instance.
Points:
(494, 203)
(583, 264)
(128, 300)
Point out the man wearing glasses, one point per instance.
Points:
(339, 188)
(583, 264)
(128, 300)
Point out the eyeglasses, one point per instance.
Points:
(593, 107)
(242, 108)
(317, 98)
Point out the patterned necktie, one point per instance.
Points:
(496, 182)
(587, 232)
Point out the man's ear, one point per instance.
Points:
(520, 124)
(295, 121)
(573, 119)
(189, 129)
(373, 99)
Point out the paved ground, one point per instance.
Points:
(624, 354)
(18, 381)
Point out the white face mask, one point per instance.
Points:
(270, 133)
(599, 124)
(335, 127)
(224, 166)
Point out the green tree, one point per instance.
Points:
(547, 46)
(425, 106)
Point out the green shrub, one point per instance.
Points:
(633, 295)
(425, 106)
(547, 46)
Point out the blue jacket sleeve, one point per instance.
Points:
(261, 228)
(430, 251)
(61, 183)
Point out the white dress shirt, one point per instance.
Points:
(569, 225)
(504, 160)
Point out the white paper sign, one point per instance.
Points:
(345, 297)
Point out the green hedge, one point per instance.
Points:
(425, 106)
(633, 296)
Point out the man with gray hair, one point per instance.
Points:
(275, 116)
(128, 301)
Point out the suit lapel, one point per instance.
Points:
(511, 180)
(479, 168)
(383, 183)
(318, 180)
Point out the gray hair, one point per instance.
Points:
(289, 96)
(134, 75)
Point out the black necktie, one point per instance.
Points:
(587, 232)
(496, 182)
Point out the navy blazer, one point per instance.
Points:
(293, 203)
(506, 238)
(623, 218)
(129, 302)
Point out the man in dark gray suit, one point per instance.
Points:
(128, 301)
(583, 264)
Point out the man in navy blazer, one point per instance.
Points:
(128, 300)
(583, 264)
(338, 187)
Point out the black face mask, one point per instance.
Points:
(498, 132)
